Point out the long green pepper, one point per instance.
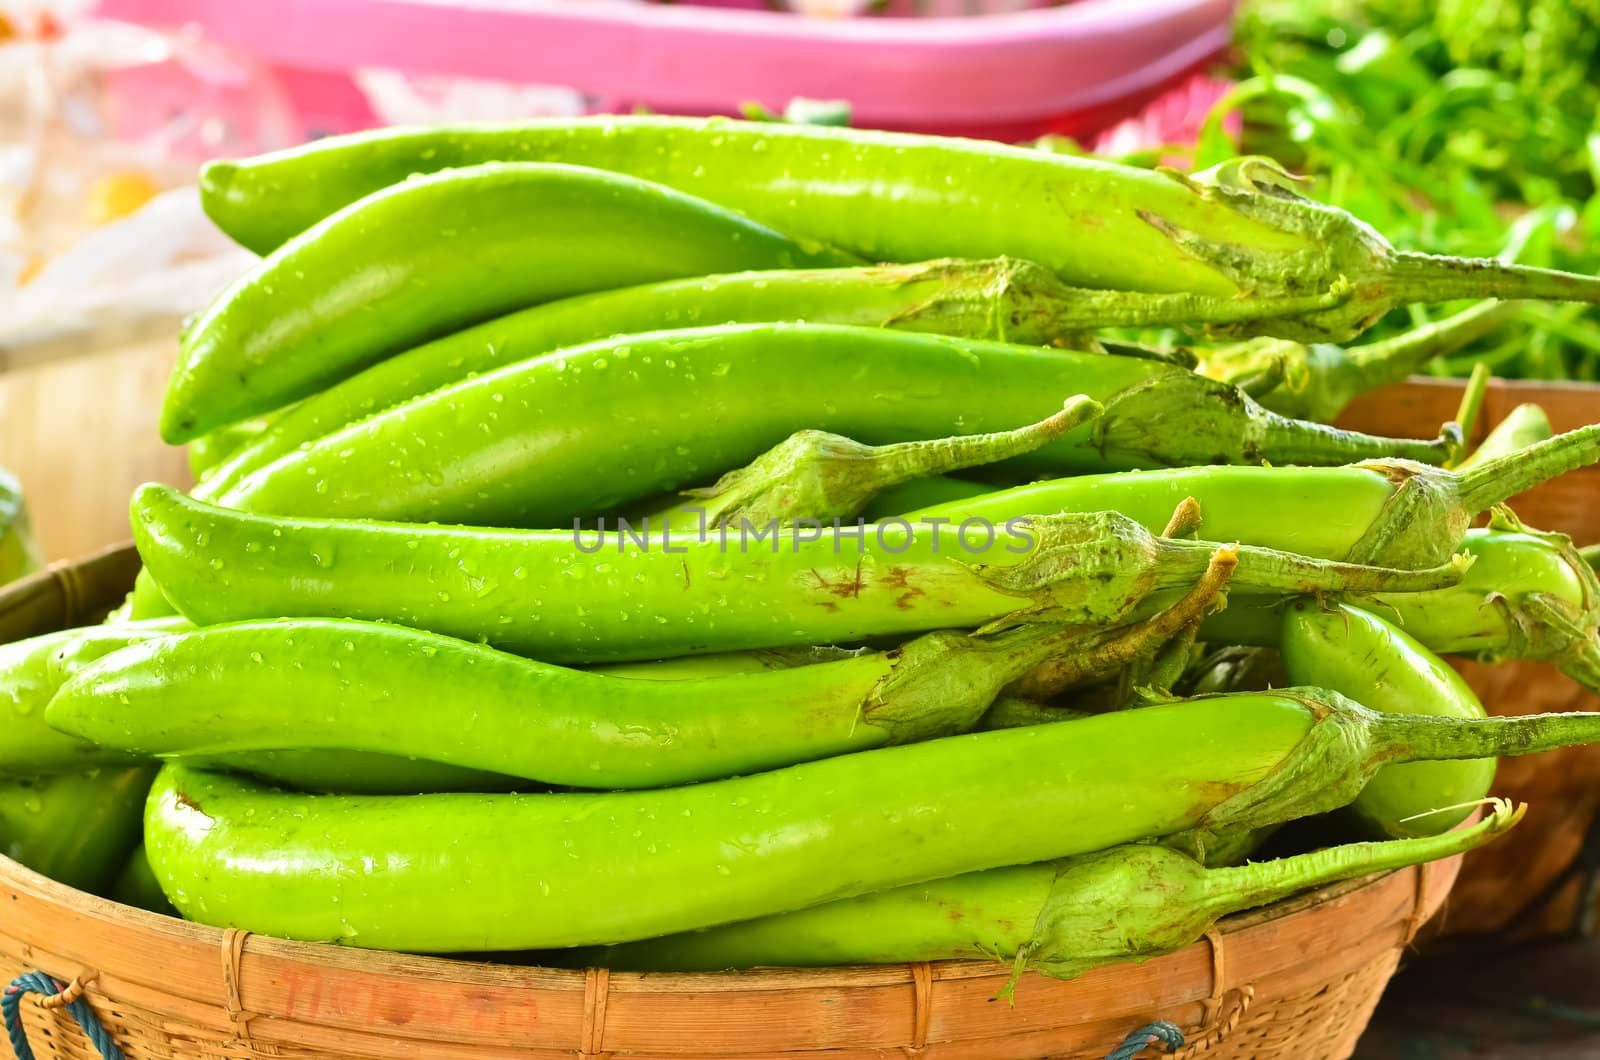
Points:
(1002, 299)
(1232, 232)
(424, 258)
(522, 446)
(450, 873)
(1061, 918)
(563, 597)
(1392, 512)
(341, 685)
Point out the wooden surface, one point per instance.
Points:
(80, 434)
(1569, 505)
(1538, 1001)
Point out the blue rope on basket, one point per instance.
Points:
(1161, 1031)
(39, 983)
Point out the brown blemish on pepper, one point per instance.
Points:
(1210, 794)
(182, 800)
(848, 590)
(900, 578)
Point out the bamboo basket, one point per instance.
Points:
(1297, 981)
(1525, 883)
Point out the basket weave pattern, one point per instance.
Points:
(1299, 980)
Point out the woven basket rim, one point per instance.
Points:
(14, 875)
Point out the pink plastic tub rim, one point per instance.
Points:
(895, 72)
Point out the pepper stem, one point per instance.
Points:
(814, 475)
(1391, 360)
(1413, 277)
(1291, 441)
(1431, 738)
(1247, 886)
(1267, 569)
(1498, 480)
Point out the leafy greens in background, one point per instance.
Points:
(1456, 126)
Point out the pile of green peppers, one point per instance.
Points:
(695, 544)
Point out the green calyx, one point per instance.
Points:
(1528, 595)
(1348, 743)
(1100, 566)
(1337, 251)
(1431, 508)
(816, 476)
(944, 682)
(1141, 901)
(1316, 381)
(1224, 425)
(1019, 301)
(1557, 628)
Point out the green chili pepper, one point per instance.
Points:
(1319, 380)
(1527, 595)
(76, 828)
(1355, 652)
(1131, 902)
(1003, 299)
(1523, 427)
(1391, 512)
(445, 873)
(1232, 231)
(402, 692)
(31, 671)
(523, 446)
(419, 260)
(566, 597)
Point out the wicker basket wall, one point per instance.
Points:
(1526, 883)
(1297, 981)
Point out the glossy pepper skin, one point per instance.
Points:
(362, 686)
(569, 869)
(523, 446)
(76, 828)
(536, 592)
(1062, 918)
(431, 255)
(33, 670)
(1357, 653)
(1002, 299)
(1237, 231)
(451, 873)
